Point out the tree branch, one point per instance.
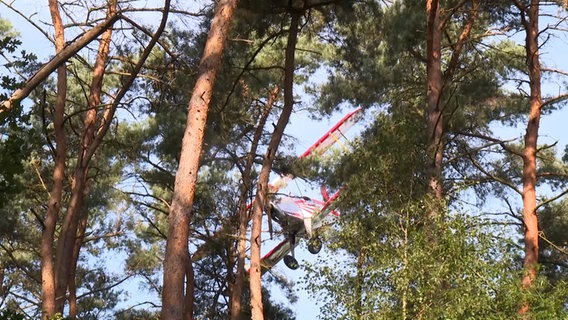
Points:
(106, 122)
(547, 201)
(494, 177)
(60, 58)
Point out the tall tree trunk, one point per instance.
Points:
(434, 115)
(359, 288)
(189, 288)
(237, 288)
(54, 204)
(173, 295)
(72, 279)
(2, 287)
(436, 81)
(66, 242)
(262, 185)
(529, 155)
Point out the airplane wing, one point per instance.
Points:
(332, 135)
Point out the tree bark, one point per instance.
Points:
(434, 115)
(173, 295)
(530, 220)
(459, 43)
(48, 284)
(237, 288)
(72, 277)
(436, 81)
(189, 288)
(359, 287)
(67, 238)
(66, 241)
(262, 185)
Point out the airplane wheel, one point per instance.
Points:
(314, 245)
(291, 262)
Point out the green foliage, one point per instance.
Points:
(135, 314)
(401, 273)
(553, 249)
(16, 138)
(56, 316)
(15, 149)
(24, 62)
(7, 314)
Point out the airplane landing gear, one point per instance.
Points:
(314, 245)
(291, 262)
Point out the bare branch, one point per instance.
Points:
(494, 177)
(104, 288)
(547, 201)
(28, 18)
(557, 71)
(553, 100)
(502, 143)
(60, 58)
(552, 244)
(105, 125)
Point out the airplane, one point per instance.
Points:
(302, 217)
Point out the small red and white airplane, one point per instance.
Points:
(300, 217)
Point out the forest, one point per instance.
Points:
(139, 139)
